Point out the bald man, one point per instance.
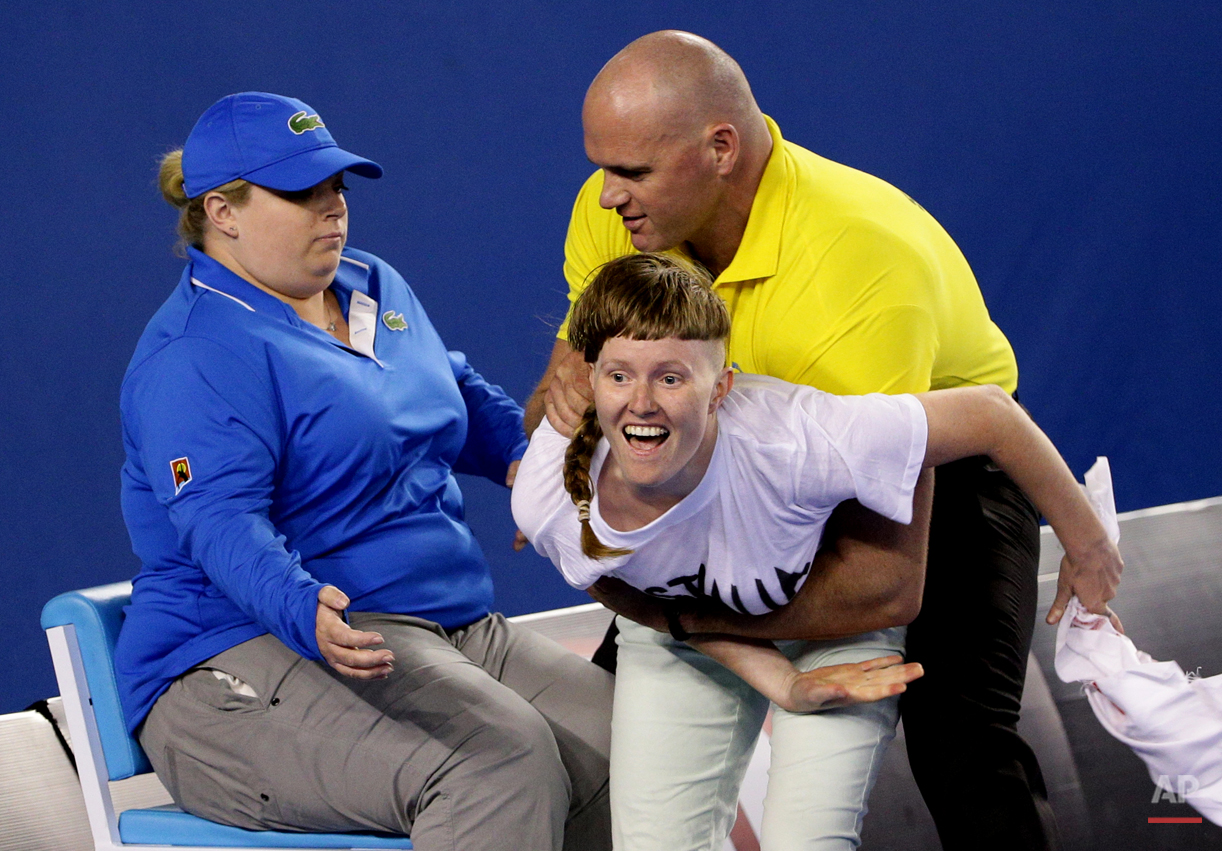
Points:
(838, 280)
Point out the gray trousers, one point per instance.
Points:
(490, 737)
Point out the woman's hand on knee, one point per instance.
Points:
(344, 647)
(844, 685)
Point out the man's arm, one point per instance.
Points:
(563, 393)
(869, 575)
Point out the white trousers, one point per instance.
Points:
(684, 728)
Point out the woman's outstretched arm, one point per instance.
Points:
(765, 668)
(985, 420)
(769, 672)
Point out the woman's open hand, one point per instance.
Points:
(342, 646)
(843, 685)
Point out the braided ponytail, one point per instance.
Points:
(577, 482)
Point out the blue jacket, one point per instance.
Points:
(265, 460)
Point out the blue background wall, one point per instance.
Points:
(1071, 148)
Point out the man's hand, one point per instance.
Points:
(1094, 576)
(519, 541)
(563, 393)
(341, 645)
(569, 394)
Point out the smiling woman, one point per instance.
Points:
(691, 484)
(657, 403)
(659, 378)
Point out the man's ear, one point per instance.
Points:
(726, 145)
(221, 213)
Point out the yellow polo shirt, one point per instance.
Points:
(841, 282)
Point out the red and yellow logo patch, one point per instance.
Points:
(182, 473)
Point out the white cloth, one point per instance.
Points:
(1098, 489)
(1172, 720)
(786, 455)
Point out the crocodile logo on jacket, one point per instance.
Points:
(394, 321)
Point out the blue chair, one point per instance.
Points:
(82, 627)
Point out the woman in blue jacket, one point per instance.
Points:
(310, 644)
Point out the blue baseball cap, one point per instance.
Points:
(273, 141)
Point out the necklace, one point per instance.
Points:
(330, 322)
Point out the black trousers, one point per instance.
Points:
(981, 781)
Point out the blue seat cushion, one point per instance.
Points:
(171, 826)
(97, 615)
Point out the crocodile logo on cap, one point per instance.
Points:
(300, 122)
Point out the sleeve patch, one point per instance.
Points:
(181, 468)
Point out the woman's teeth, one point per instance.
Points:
(645, 434)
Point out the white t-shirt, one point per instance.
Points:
(786, 455)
